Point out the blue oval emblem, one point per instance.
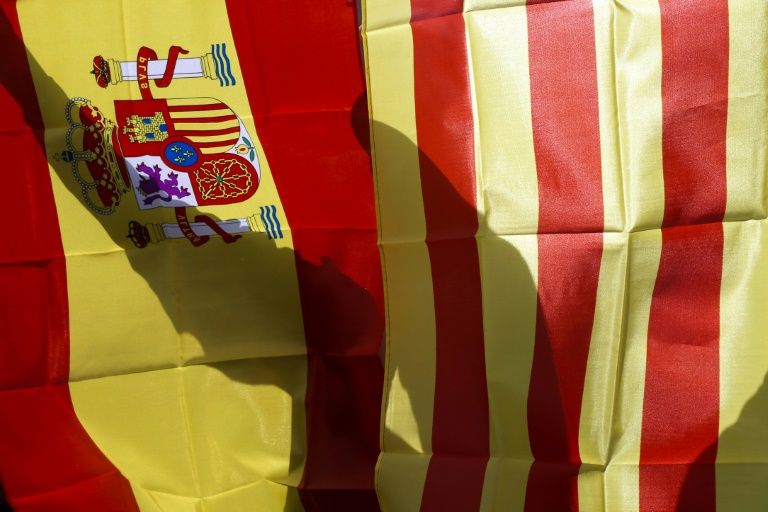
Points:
(181, 154)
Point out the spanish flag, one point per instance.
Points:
(572, 213)
(191, 310)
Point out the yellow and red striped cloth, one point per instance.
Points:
(571, 202)
(557, 206)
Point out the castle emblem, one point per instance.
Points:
(146, 129)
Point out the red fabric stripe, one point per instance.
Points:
(323, 174)
(682, 398)
(217, 119)
(566, 138)
(682, 402)
(431, 9)
(569, 266)
(47, 460)
(195, 108)
(566, 131)
(694, 95)
(201, 133)
(460, 435)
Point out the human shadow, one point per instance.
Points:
(4, 506)
(455, 206)
(186, 284)
(743, 473)
(511, 353)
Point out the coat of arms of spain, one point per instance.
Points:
(166, 153)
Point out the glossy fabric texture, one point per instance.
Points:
(225, 377)
(619, 175)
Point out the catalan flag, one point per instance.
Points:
(571, 201)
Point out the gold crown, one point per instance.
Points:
(96, 168)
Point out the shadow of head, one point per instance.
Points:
(446, 207)
(736, 462)
(218, 295)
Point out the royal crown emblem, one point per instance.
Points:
(94, 161)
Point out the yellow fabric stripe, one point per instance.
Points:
(507, 204)
(595, 426)
(742, 457)
(400, 481)
(600, 382)
(635, 26)
(220, 125)
(613, 196)
(507, 170)
(394, 147)
(410, 366)
(410, 355)
(214, 138)
(505, 482)
(145, 366)
(201, 113)
(178, 423)
(747, 137)
(477, 5)
(379, 14)
(622, 474)
(637, 34)
(509, 273)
